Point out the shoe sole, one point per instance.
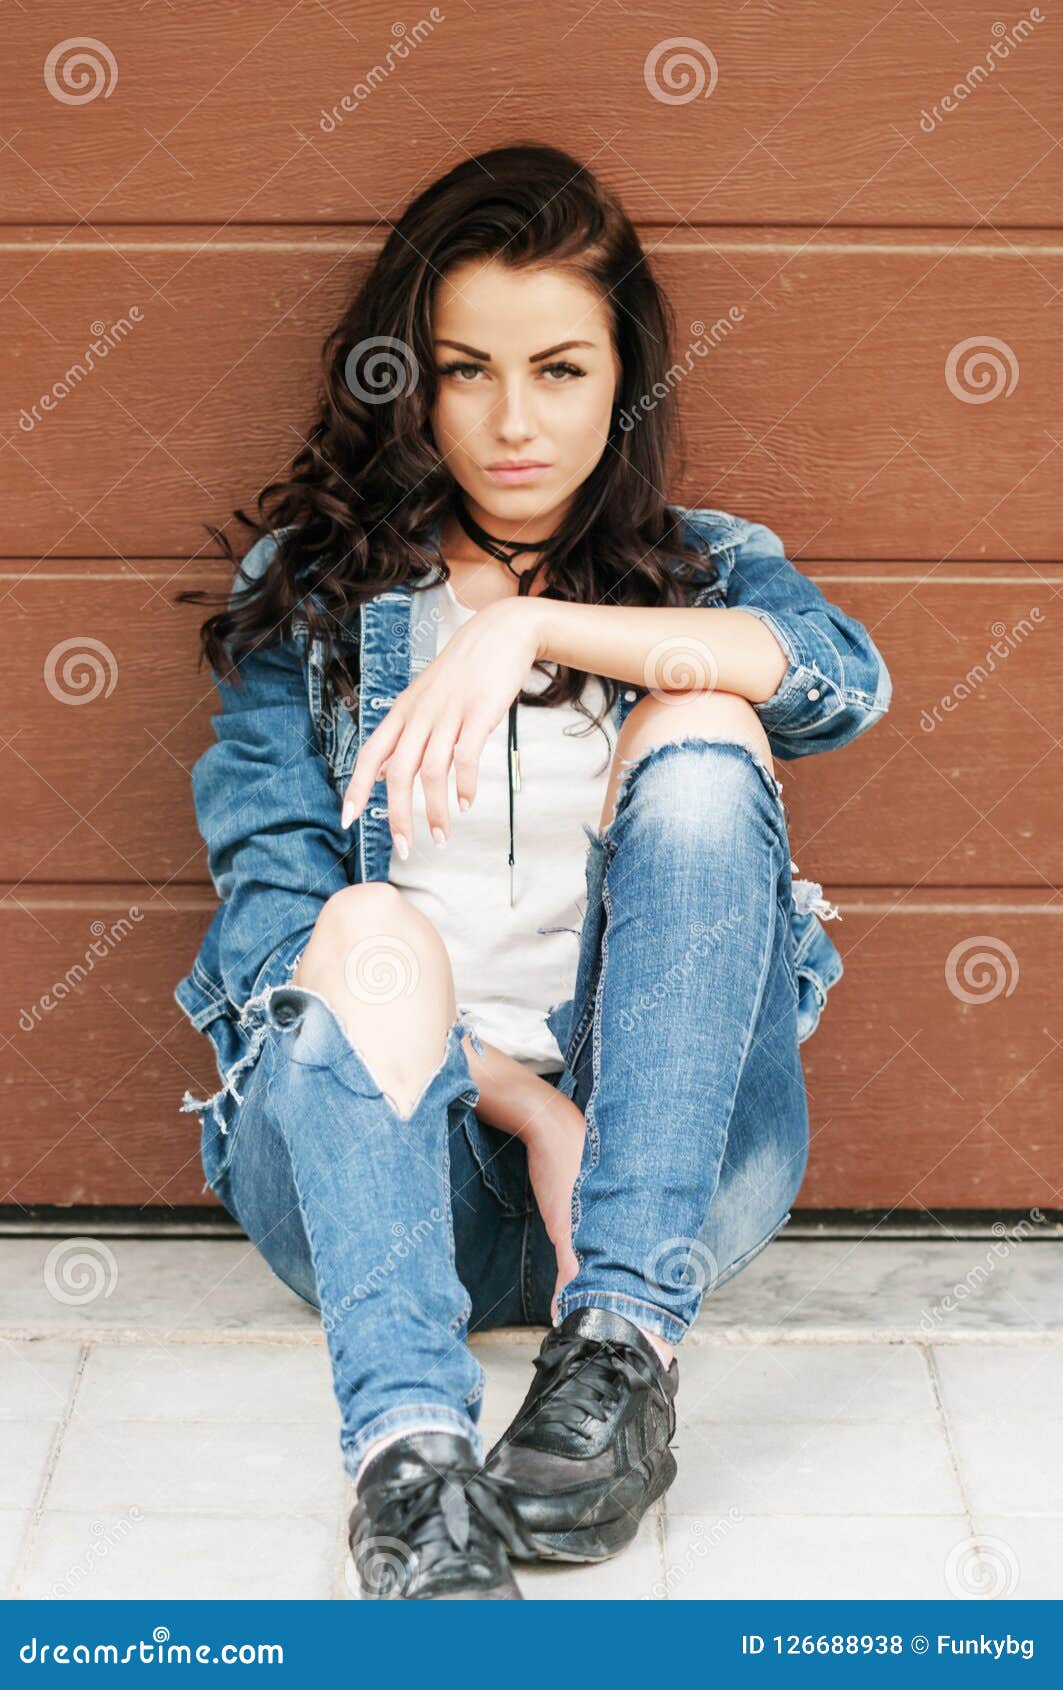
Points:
(603, 1540)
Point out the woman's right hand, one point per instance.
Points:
(554, 1143)
(553, 1129)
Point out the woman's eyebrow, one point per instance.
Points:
(533, 358)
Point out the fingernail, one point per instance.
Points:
(463, 803)
(345, 815)
(439, 836)
(401, 846)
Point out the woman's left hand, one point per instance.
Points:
(445, 716)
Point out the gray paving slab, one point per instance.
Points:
(856, 1419)
(97, 1555)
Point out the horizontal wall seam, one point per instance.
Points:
(922, 240)
(866, 903)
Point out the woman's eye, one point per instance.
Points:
(462, 371)
(456, 368)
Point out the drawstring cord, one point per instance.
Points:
(513, 768)
(505, 551)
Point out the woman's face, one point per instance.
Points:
(527, 373)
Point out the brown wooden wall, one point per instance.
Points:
(886, 399)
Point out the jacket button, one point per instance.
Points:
(813, 692)
(630, 694)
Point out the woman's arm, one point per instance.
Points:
(670, 649)
(512, 1097)
(812, 672)
(268, 814)
(552, 1128)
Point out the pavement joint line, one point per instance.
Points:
(40, 1506)
(531, 1337)
(945, 1427)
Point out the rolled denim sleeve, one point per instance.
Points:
(270, 819)
(836, 684)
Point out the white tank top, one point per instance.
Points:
(513, 963)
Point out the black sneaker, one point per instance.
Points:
(588, 1451)
(428, 1525)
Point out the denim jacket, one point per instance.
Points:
(268, 792)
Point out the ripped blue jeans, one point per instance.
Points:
(408, 1232)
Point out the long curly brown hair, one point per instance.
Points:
(367, 491)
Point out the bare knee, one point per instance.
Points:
(375, 944)
(359, 922)
(655, 721)
(383, 967)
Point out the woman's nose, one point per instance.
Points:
(516, 414)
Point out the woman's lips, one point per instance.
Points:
(514, 477)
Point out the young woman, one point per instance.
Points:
(507, 1018)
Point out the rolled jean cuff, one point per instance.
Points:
(410, 1417)
(649, 1316)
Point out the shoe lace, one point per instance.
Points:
(584, 1377)
(441, 1519)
